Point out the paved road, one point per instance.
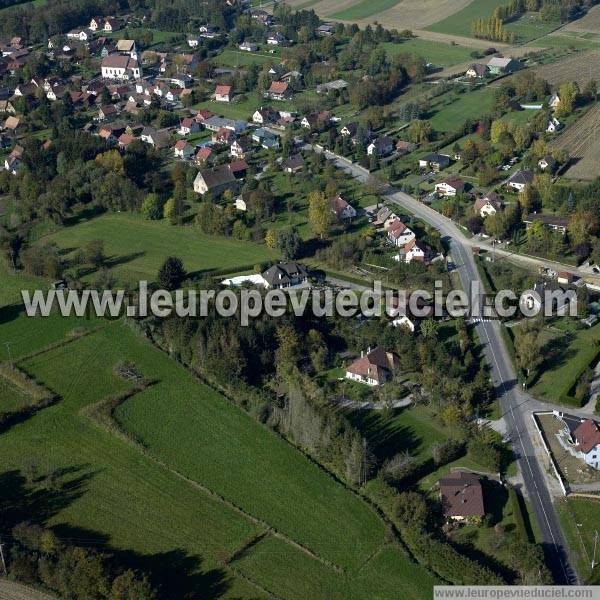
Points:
(512, 401)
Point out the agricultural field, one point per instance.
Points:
(178, 501)
(459, 22)
(581, 67)
(582, 142)
(136, 247)
(590, 22)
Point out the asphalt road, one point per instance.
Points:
(512, 401)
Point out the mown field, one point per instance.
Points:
(137, 247)
(451, 111)
(141, 504)
(436, 53)
(460, 22)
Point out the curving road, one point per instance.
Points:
(513, 402)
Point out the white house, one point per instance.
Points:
(248, 47)
(223, 93)
(78, 34)
(193, 42)
(405, 322)
(111, 25)
(553, 125)
(95, 24)
(489, 205)
(451, 186)
(587, 442)
(342, 209)
(520, 179)
(400, 235)
(413, 252)
(554, 101)
(373, 368)
(183, 150)
(188, 126)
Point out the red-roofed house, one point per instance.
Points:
(279, 90)
(124, 140)
(587, 442)
(373, 368)
(342, 209)
(203, 114)
(223, 93)
(183, 150)
(399, 234)
(203, 155)
(188, 126)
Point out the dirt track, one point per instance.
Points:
(9, 590)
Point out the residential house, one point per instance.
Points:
(95, 23)
(193, 42)
(451, 186)
(276, 39)
(558, 224)
(223, 136)
(490, 204)
(316, 119)
(462, 496)
(499, 65)
(216, 123)
(407, 311)
(239, 168)
(215, 180)
(12, 123)
(6, 106)
(111, 24)
(399, 234)
(520, 179)
(157, 138)
(554, 101)
(262, 16)
(293, 164)
(241, 147)
(384, 218)
(107, 112)
(223, 93)
(248, 47)
(265, 115)
(587, 442)
(285, 275)
(403, 147)
(548, 295)
(188, 126)
(412, 251)
(203, 114)
(547, 162)
(435, 162)
(374, 368)
(208, 31)
(565, 278)
(183, 150)
(553, 125)
(278, 90)
(382, 146)
(332, 86)
(325, 30)
(478, 71)
(12, 164)
(78, 34)
(203, 155)
(265, 138)
(342, 209)
(349, 130)
(124, 140)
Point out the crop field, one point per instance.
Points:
(581, 67)
(136, 247)
(249, 482)
(582, 142)
(401, 14)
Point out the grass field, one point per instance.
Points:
(460, 22)
(238, 58)
(364, 9)
(452, 111)
(569, 355)
(116, 495)
(136, 247)
(529, 27)
(11, 398)
(580, 520)
(436, 53)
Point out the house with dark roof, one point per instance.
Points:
(382, 146)
(490, 204)
(284, 275)
(519, 180)
(552, 222)
(373, 368)
(478, 71)
(434, 161)
(462, 496)
(451, 186)
(215, 180)
(342, 209)
(293, 164)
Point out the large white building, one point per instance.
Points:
(120, 66)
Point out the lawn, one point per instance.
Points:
(112, 493)
(567, 355)
(460, 22)
(239, 58)
(580, 520)
(436, 53)
(242, 109)
(363, 9)
(450, 113)
(136, 247)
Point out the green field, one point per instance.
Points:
(363, 9)
(240, 58)
(11, 398)
(452, 111)
(436, 53)
(580, 520)
(569, 39)
(460, 22)
(136, 247)
(530, 27)
(569, 355)
(140, 506)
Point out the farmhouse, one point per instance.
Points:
(284, 275)
(373, 368)
(500, 65)
(451, 186)
(462, 496)
(478, 71)
(520, 179)
(490, 204)
(552, 222)
(223, 93)
(434, 161)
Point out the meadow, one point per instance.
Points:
(364, 9)
(460, 22)
(436, 53)
(451, 111)
(136, 247)
(147, 504)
